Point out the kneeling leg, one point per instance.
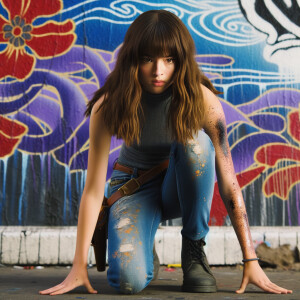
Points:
(133, 221)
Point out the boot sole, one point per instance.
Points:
(199, 289)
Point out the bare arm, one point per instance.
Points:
(91, 200)
(94, 187)
(215, 127)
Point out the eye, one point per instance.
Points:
(146, 59)
(170, 60)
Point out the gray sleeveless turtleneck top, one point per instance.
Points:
(155, 142)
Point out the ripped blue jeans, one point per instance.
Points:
(184, 190)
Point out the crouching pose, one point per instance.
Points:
(166, 111)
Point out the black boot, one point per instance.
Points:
(197, 276)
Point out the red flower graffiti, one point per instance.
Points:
(11, 133)
(18, 33)
(281, 181)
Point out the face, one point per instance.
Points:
(156, 73)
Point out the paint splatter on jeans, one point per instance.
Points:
(185, 190)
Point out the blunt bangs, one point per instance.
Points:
(159, 39)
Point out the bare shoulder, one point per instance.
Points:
(98, 129)
(95, 109)
(211, 101)
(96, 114)
(212, 107)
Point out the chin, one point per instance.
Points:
(155, 90)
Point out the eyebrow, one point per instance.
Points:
(148, 55)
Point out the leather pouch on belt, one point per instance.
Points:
(100, 237)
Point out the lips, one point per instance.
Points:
(158, 82)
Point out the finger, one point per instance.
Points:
(280, 289)
(243, 286)
(62, 290)
(267, 287)
(90, 288)
(269, 290)
(48, 291)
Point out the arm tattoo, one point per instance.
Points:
(221, 128)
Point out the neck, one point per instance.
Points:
(165, 94)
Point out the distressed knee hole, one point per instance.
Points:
(123, 222)
(195, 147)
(126, 248)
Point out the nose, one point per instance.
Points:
(158, 67)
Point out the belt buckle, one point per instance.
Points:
(129, 187)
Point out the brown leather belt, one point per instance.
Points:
(134, 184)
(127, 170)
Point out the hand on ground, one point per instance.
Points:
(254, 274)
(78, 276)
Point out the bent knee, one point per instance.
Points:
(131, 279)
(198, 148)
(130, 283)
(202, 144)
(132, 286)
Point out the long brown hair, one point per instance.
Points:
(161, 33)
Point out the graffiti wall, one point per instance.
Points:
(55, 54)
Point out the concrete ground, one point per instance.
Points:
(24, 284)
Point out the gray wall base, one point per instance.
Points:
(56, 245)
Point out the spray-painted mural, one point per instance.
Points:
(55, 54)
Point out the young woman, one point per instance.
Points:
(162, 106)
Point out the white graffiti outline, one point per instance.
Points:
(216, 21)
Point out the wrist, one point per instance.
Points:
(79, 263)
(253, 259)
